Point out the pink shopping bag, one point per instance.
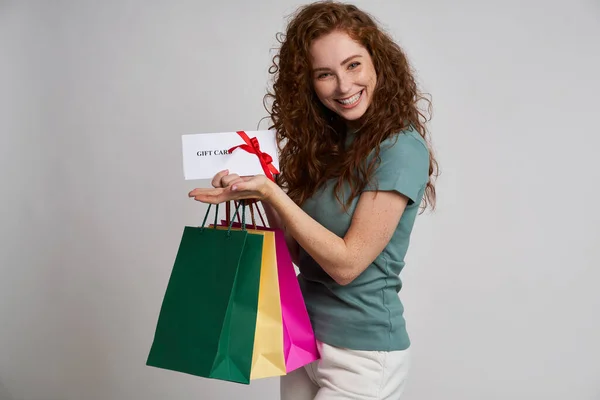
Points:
(299, 343)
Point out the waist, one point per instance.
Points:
(358, 319)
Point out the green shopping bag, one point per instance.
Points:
(207, 320)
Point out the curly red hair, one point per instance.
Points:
(310, 136)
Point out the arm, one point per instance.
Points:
(400, 176)
(373, 224)
(374, 221)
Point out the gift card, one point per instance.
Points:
(242, 153)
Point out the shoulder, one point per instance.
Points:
(405, 149)
(402, 165)
(408, 140)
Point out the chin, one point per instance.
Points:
(354, 115)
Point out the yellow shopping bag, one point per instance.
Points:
(268, 358)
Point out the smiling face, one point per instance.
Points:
(343, 75)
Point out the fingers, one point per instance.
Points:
(240, 191)
(216, 181)
(218, 190)
(227, 180)
(231, 187)
(212, 196)
(223, 179)
(234, 184)
(205, 192)
(215, 196)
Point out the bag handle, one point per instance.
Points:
(262, 220)
(242, 203)
(206, 216)
(252, 214)
(252, 204)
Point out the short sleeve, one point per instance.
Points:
(403, 167)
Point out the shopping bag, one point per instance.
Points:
(268, 353)
(299, 342)
(207, 320)
(300, 345)
(268, 357)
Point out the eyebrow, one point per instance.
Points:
(342, 63)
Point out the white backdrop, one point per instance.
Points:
(500, 284)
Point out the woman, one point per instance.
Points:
(355, 168)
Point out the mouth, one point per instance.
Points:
(351, 101)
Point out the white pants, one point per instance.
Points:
(349, 374)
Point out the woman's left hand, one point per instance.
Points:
(257, 187)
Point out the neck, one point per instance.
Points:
(353, 126)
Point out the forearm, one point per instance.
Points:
(325, 247)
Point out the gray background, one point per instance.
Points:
(500, 284)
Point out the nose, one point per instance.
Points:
(344, 84)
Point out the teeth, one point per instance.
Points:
(352, 99)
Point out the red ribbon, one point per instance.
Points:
(253, 147)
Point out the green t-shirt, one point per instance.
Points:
(367, 314)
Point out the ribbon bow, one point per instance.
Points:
(253, 147)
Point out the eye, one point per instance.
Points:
(323, 75)
(354, 65)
